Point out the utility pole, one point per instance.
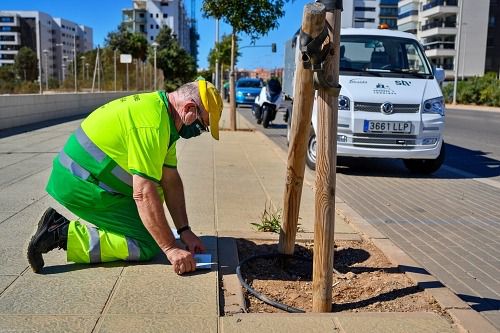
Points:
(457, 55)
(155, 46)
(74, 60)
(114, 67)
(46, 53)
(217, 81)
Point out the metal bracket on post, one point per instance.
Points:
(331, 5)
(313, 57)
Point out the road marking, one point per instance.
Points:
(477, 178)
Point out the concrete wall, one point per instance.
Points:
(18, 110)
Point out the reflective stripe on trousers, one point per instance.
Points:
(88, 244)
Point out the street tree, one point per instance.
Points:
(177, 65)
(222, 52)
(7, 79)
(254, 18)
(26, 64)
(127, 42)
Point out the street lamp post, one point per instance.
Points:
(74, 61)
(457, 55)
(46, 53)
(61, 78)
(155, 46)
(65, 58)
(87, 70)
(83, 67)
(114, 66)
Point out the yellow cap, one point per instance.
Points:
(212, 102)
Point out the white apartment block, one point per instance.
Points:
(54, 40)
(369, 13)
(436, 22)
(149, 16)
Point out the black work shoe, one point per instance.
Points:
(51, 233)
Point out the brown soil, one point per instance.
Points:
(364, 280)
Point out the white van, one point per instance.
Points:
(390, 104)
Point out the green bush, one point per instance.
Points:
(483, 90)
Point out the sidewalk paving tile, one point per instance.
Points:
(44, 323)
(167, 293)
(158, 323)
(57, 295)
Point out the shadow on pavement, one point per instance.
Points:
(481, 303)
(32, 127)
(159, 259)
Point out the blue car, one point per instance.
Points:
(247, 89)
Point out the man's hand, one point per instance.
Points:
(192, 242)
(182, 261)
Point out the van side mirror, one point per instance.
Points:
(439, 74)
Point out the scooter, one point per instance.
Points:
(267, 103)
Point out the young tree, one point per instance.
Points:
(222, 51)
(255, 18)
(177, 64)
(26, 64)
(127, 42)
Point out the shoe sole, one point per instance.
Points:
(35, 258)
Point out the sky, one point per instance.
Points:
(105, 15)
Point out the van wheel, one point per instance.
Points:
(425, 166)
(311, 151)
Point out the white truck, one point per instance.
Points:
(390, 104)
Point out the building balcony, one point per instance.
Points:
(437, 29)
(407, 19)
(440, 50)
(439, 8)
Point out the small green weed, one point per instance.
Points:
(270, 220)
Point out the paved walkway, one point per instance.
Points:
(227, 185)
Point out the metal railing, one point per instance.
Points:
(438, 25)
(436, 3)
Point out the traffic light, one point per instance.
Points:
(273, 47)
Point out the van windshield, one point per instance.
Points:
(382, 56)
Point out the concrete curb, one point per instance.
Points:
(472, 107)
(463, 315)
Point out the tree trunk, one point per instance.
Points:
(232, 94)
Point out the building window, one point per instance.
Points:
(362, 19)
(6, 28)
(151, 38)
(7, 38)
(151, 26)
(6, 19)
(151, 15)
(364, 9)
(165, 15)
(141, 15)
(157, 27)
(492, 22)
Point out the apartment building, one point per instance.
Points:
(370, 13)
(149, 16)
(54, 40)
(493, 39)
(436, 24)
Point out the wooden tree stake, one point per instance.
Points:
(313, 21)
(326, 163)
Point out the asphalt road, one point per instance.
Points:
(449, 222)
